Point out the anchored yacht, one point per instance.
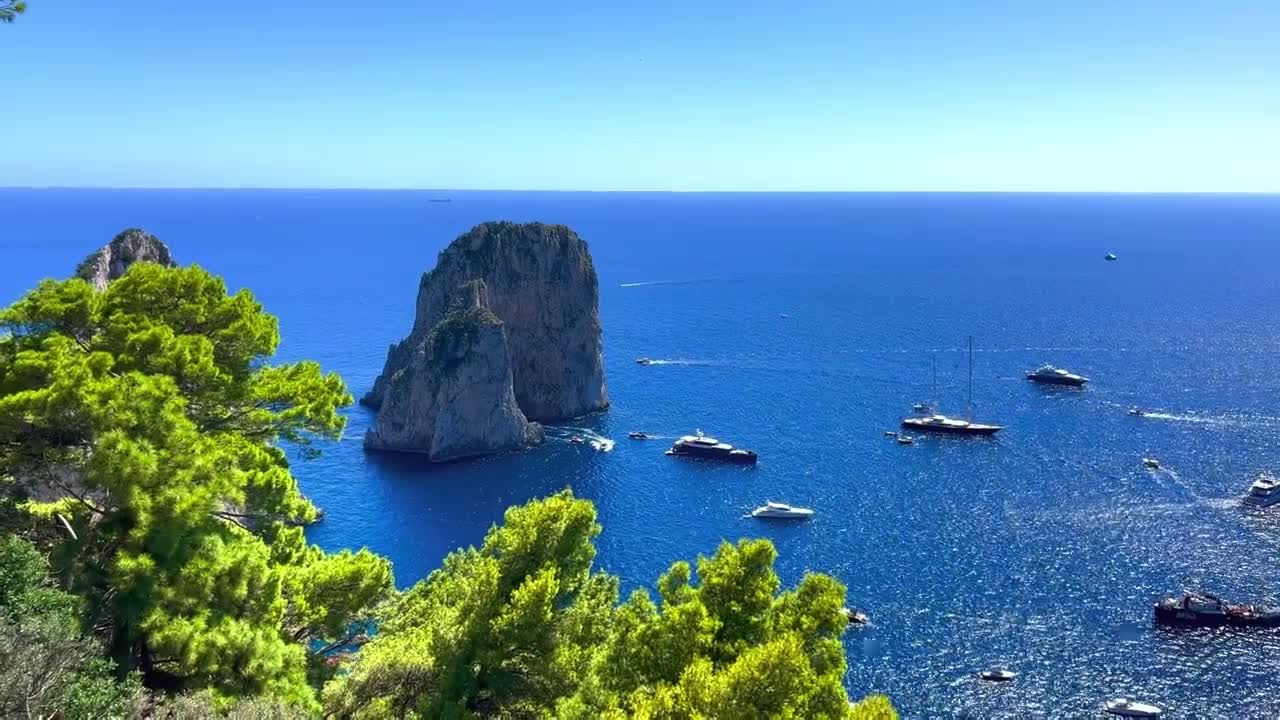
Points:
(1050, 375)
(1205, 610)
(781, 511)
(934, 422)
(708, 447)
(998, 675)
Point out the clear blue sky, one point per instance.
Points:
(1093, 95)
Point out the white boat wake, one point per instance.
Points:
(593, 438)
(678, 361)
(657, 282)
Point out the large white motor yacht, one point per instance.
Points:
(781, 511)
(1264, 492)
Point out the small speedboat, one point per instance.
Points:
(891, 433)
(1151, 463)
(1131, 708)
(577, 439)
(921, 408)
(637, 435)
(905, 440)
(855, 617)
(781, 511)
(998, 675)
(1111, 256)
(643, 361)
(1136, 412)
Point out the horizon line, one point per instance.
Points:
(212, 188)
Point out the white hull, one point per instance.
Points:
(781, 511)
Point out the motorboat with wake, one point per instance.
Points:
(905, 439)
(1136, 412)
(701, 446)
(930, 421)
(638, 435)
(1205, 610)
(1050, 375)
(1264, 492)
(781, 511)
(1125, 707)
(1151, 463)
(643, 361)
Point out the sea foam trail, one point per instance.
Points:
(595, 439)
(647, 283)
(679, 361)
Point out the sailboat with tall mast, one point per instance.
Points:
(935, 422)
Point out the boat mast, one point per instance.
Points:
(970, 377)
(934, 398)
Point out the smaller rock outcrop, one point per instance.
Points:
(113, 260)
(454, 397)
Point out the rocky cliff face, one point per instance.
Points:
(131, 246)
(505, 300)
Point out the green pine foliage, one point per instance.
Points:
(47, 667)
(11, 9)
(147, 418)
(142, 436)
(523, 627)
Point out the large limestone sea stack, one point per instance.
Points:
(506, 335)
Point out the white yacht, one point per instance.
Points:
(930, 421)
(1051, 375)
(1151, 463)
(1131, 708)
(702, 446)
(998, 675)
(942, 424)
(1265, 491)
(781, 511)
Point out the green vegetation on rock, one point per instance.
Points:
(452, 338)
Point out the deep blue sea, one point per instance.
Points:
(804, 326)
